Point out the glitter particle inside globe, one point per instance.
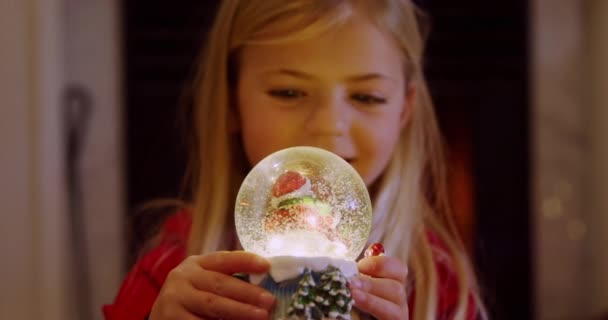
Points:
(303, 201)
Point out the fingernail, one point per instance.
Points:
(259, 314)
(266, 300)
(261, 262)
(355, 283)
(368, 265)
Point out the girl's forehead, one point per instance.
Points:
(354, 47)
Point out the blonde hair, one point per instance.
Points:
(411, 195)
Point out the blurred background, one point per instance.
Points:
(90, 128)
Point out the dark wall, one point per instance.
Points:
(477, 68)
(162, 41)
(476, 65)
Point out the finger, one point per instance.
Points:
(378, 307)
(211, 306)
(229, 262)
(171, 311)
(388, 289)
(232, 288)
(182, 314)
(383, 267)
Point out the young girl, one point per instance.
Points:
(336, 74)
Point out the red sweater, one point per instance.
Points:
(142, 284)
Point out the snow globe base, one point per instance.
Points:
(310, 288)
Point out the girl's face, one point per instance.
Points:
(343, 91)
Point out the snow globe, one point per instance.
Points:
(309, 213)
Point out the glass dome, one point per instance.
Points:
(306, 202)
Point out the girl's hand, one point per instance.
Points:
(380, 291)
(202, 287)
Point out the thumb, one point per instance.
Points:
(229, 262)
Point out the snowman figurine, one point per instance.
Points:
(295, 206)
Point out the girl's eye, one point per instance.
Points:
(368, 99)
(286, 93)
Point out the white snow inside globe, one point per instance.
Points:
(303, 202)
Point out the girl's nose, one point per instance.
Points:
(329, 117)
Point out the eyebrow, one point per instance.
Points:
(354, 78)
